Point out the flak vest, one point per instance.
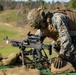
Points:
(72, 20)
(51, 31)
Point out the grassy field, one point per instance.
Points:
(11, 16)
(9, 31)
(15, 33)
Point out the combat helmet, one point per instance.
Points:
(35, 17)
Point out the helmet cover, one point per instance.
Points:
(34, 18)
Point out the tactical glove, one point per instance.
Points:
(58, 62)
(61, 56)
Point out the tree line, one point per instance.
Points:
(13, 4)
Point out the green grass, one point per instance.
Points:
(7, 31)
(12, 32)
(12, 16)
(5, 51)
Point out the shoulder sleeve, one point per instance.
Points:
(40, 34)
(60, 22)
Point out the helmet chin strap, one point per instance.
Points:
(44, 24)
(38, 27)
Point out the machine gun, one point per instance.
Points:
(34, 42)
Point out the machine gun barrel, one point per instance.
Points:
(15, 43)
(31, 44)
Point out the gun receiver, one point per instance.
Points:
(36, 45)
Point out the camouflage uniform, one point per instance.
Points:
(60, 22)
(58, 31)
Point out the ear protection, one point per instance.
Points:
(49, 16)
(43, 16)
(46, 16)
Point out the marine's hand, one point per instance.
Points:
(61, 56)
(58, 62)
